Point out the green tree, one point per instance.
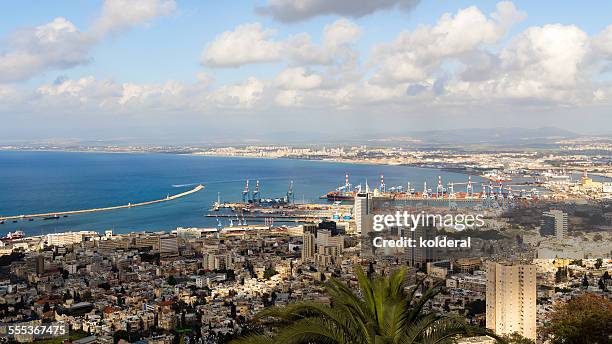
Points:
(516, 338)
(386, 313)
(601, 284)
(598, 263)
(585, 281)
(561, 275)
(269, 272)
(476, 307)
(586, 319)
(121, 334)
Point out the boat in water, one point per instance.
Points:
(13, 235)
(337, 195)
(342, 193)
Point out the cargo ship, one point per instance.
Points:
(342, 193)
(339, 195)
(13, 235)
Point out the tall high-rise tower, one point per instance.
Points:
(554, 222)
(40, 264)
(511, 298)
(308, 246)
(363, 213)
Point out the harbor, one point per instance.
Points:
(449, 192)
(338, 204)
(226, 177)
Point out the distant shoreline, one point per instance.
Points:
(198, 154)
(459, 170)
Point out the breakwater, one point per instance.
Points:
(93, 210)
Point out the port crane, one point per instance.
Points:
(245, 192)
(255, 194)
(347, 185)
(409, 189)
(426, 191)
(290, 193)
(440, 188)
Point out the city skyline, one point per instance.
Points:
(175, 72)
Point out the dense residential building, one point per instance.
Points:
(321, 246)
(168, 245)
(68, 238)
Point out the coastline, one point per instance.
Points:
(200, 154)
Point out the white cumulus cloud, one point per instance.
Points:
(550, 54)
(59, 44)
(298, 79)
(248, 43)
(252, 43)
(244, 95)
(415, 55)
(119, 15)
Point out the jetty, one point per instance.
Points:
(94, 210)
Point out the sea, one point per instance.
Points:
(46, 182)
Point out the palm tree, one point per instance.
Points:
(386, 313)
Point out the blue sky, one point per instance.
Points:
(171, 46)
(152, 62)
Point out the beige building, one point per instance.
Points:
(168, 245)
(511, 298)
(68, 238)
(321, 248)
(308, 247)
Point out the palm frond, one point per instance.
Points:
(416, 308)
(445, 330)
(298, 310)
(413, 332)
(383, 312)
(315, 330)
